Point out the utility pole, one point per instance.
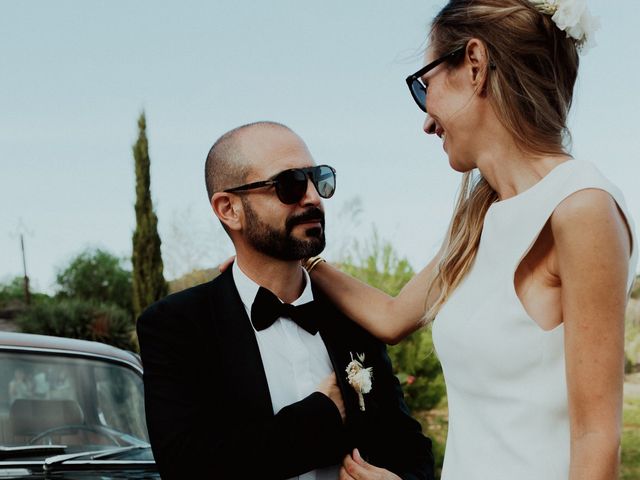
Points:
(27, 294)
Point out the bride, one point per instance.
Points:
(528, 292)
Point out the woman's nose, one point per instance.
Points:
(429, 126)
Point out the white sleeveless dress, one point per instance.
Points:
(505, 376)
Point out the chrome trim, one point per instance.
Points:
(105, 462)
(72, 353)
(101, 466)
(10, 463)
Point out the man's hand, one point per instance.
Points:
(355, 468)
(329, 387)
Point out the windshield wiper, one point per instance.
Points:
(97, 457)
(30, 451)
(106, 454)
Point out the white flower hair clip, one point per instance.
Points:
(572, 17)
(359, 377)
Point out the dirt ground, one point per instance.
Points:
(632, 385)
(7, 326)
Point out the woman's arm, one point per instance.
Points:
(386, 317)
(593, 248)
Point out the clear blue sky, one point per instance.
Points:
(76, 74)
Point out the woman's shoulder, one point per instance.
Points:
(586, 197)
(587, 207)
(579, 185)
(592, 218)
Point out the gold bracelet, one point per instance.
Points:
(312, 262)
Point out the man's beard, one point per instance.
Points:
(280, 243)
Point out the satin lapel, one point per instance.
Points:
(240, 353)
(339, 349)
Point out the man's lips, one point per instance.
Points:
(310, 220)
(316, 222)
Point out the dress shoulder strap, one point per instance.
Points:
(527, 213)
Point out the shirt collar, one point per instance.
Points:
(248, 289)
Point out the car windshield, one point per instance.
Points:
(64, 400)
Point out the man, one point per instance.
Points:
(239, 385)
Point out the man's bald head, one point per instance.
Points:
(227, 163)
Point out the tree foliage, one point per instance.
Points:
(79, 318)
(12, 296)
(96, 275)
(148, 278)
(635, 291)
(12, 291)
(414, 360)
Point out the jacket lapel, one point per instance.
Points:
(339, 345)
(239, 351)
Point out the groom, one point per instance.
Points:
(238, 384)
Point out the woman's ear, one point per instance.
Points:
(228, 209)
(477, 62)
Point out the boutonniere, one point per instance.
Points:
(359, 377)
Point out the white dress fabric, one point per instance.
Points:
(505, 376)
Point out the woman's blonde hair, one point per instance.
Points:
(533, 69)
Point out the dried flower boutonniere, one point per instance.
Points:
(359, 377)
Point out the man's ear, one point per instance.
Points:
(228, 209)
(477, 62)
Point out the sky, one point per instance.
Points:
(77, 74)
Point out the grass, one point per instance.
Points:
(434, 424)
(630, 469)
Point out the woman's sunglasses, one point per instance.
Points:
(291, 185)
(414, 82)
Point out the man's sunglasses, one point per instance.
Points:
(414, 82)
(291, 185)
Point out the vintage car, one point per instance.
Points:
(71, 409)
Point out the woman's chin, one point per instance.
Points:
(460, 163)
(457, 165)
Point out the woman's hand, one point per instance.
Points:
(355, 468)
(224, 265)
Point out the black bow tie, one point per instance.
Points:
(267, 308)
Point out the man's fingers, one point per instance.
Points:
(344, 475)
(358, 459)
(356, 471)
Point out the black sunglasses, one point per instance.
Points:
(291, 185)
(414, 82)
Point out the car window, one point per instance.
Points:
(51, 399)
(120, 400)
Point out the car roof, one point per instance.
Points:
(30, 341)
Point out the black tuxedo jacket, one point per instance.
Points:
(208, 406)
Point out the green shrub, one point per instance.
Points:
(414, 360)
(12, 291)
(418, 370)
(97, 275)
(632, 336)
(12, 296)
(83, 319)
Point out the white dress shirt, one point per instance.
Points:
(295, 362)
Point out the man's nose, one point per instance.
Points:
(311, 196)
(429, 126)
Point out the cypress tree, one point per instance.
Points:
(148, 280)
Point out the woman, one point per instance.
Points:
(529, 288)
